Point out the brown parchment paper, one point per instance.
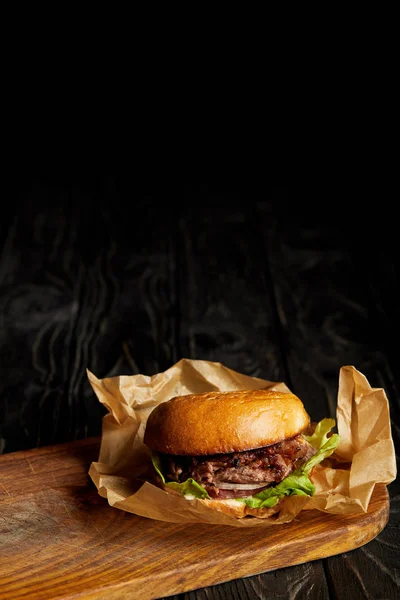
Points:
(344, 482)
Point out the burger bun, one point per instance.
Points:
(224, 422)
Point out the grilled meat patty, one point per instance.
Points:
(266, 466)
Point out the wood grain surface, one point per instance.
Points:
(99, 272)
(61, 540)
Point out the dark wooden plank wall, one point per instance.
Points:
(122, 282)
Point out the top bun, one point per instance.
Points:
(224, 422)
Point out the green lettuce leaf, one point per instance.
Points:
(295, 484)
(190, 487)
(298, 483)
(320, 435)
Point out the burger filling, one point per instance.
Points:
(239, 474)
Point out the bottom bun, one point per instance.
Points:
(238, 510)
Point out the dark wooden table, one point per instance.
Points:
(286, 285)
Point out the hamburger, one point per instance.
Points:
(239, 452)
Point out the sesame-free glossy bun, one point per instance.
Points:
(224, 422)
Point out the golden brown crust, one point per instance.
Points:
(224, 422)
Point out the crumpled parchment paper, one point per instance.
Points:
(344, 482)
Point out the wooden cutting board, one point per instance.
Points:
(60, 539)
